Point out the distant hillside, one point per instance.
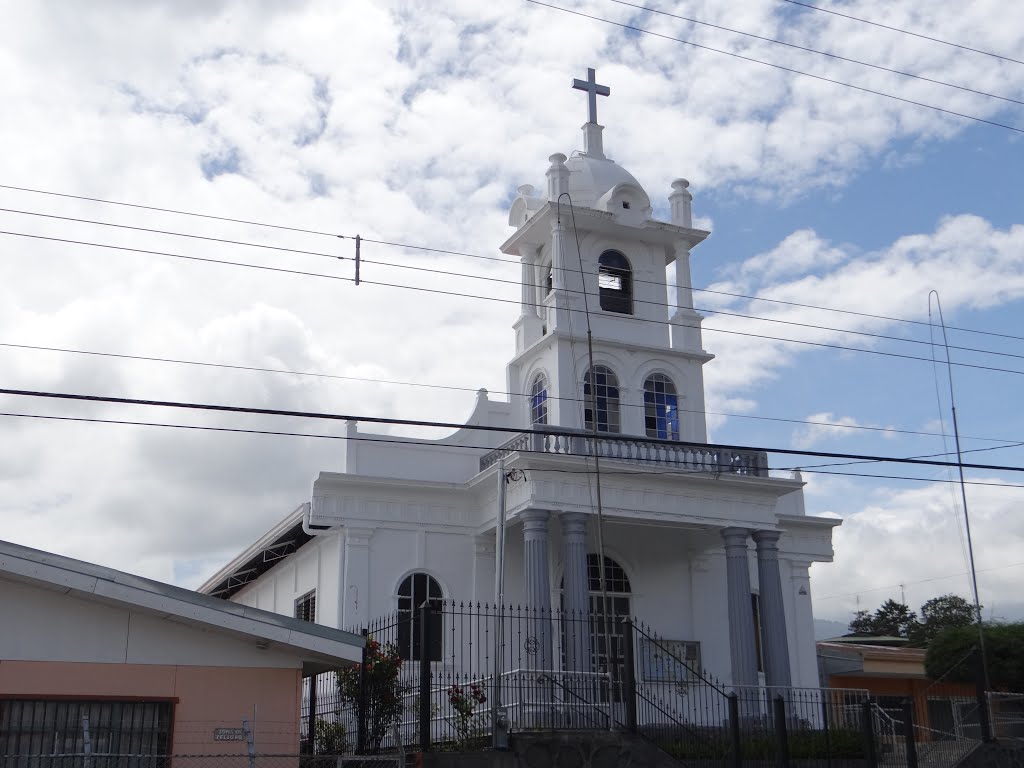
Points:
(825, 629)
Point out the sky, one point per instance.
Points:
(414, 123)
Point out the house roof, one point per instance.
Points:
(870, 651)
(318, 646)
(284, 539)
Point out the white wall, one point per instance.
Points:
(55, 626)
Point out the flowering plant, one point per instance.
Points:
(383, 695)
(463, 701)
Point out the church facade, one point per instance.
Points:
(593, 483)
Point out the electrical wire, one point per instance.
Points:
(431, 270)
(370, 380)
(437, 291)
(535, 470)
(605, 436)
(830, 55)
(919, 581)
(420, 247)
(169, 254)
(176, 211)
(904, 31)
(791, 70)
(172, 233)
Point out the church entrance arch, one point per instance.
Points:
(605, 628)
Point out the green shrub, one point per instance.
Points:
(330, 738)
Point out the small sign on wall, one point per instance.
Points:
(229, 734)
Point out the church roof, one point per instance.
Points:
(591, 178)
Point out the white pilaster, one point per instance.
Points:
(357, 578)
(484, 563)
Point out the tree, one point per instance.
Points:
(891, 618)
(949, 655)
(940, 613)
(383, 697)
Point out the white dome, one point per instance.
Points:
(591, 178)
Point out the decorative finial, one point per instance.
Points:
(593, 91)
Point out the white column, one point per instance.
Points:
(684, 290)
(804, 653)
(576, 592)
(773, 612)
(538, 585)
(742, 649)
(681, 203)
(357, 578)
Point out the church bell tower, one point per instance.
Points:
(595, 260)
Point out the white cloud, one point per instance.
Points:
(404, 122)
(827, 426)
(915, 538)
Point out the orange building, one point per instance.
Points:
(892, 675)
(96, 660)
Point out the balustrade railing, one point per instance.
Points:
(638, 450)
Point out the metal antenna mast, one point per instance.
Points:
(963, 487)
(606, 617)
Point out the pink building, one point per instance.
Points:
(90, 655)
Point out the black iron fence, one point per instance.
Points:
(449, 676)
(441, 675)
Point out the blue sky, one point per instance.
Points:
(406, 123)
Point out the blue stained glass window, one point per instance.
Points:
(539, 400)
(661, 407)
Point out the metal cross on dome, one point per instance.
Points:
(593, 91)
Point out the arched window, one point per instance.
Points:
(604, 633)
(606, 393)
(415, 590)
(661, 407)
(615, 283)
(607, 630)
(539, 400)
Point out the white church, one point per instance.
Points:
(605, 460)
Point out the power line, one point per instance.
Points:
(420, 247)
(487, 278)
(688, 473)
(175, 211)
(177, 255)
(707, 310)
(451, 273)
(835, 56)
(605, 436)
(172, 233)
(920, 581)
(630, 318)
(791, 70)
(400, 441)
(904, 31)
(371, 380)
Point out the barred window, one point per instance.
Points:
(607, 632)
(606, 395)
(415, 590)
(539, 400)
(123, 732)
(661, 407)
(305, 607)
